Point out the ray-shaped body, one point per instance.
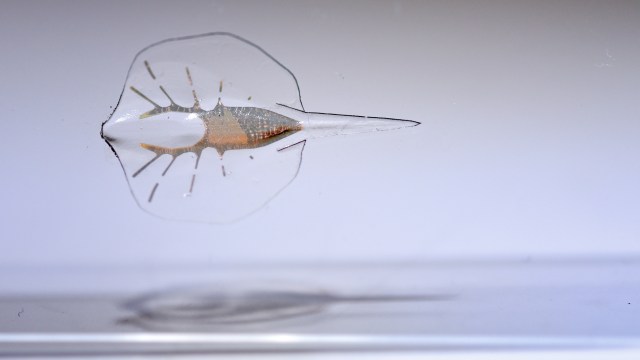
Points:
(220, 101)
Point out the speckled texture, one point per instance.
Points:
(232, 128)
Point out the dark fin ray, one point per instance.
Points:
(145, 166)
(146, 64)
(193, 180)
(173, 158)
(189, 76)
(143, 96)
(153, 192)
(167, 95)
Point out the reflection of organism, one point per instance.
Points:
(211, 127)
(212, 307)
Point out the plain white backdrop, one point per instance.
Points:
(528, 145)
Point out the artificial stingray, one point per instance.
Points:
(211, 127)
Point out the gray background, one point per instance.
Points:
(529, 143)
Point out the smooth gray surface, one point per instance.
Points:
(463, 306)
(529, 142)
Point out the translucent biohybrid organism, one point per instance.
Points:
(211, 127)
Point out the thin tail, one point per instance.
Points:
(329, 124)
